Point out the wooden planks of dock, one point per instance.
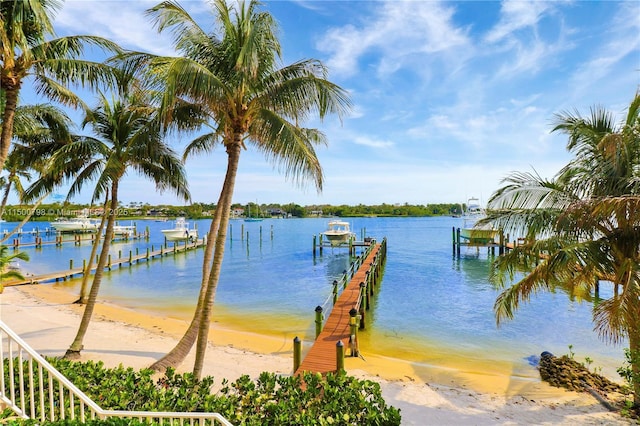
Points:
(131, 259)
(322, 356)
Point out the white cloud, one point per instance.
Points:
(400, 31)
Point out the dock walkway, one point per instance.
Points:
(131, 259)
(322, 356)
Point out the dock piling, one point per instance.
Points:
(297, 352)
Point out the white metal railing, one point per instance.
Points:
(60, 399)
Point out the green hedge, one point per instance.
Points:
(313, 399)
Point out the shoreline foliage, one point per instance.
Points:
(268, 400)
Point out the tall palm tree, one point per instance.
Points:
(127, 137)
(233, 74)
(583, 226)
(27, 50)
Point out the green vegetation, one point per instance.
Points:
(270, 400)
(582, 227)
(49, 212)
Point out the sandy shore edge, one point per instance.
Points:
(47, 319)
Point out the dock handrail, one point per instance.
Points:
(27, 396)
(344, 280)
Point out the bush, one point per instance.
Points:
(310, 399)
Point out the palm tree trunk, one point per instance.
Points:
(26, 218)
(5, 196)
(634, 348)
(177, 355)
(84, 294)
(11, 102)
(224, 204)
(76, 346)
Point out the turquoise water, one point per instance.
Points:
(428, 298)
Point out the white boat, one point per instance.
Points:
(180, 231)
(338, 232)
(78, 224)
(124, 230)
(471, 232)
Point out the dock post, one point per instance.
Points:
(364, 304)
(84, 264)
(501, 247)
(241, 232)
(109, 262)
(335, 292)
(297, 353)
(318, 320)
(271, 232)
(260, 233)
(458, 241)
(147, 257)
(70, 263)
(320, 244)
(130, 258)
(314, 245)
(353, 338)
(340, 356)
(230, 232)
(453, 240)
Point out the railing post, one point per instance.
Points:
(364, 303)
(353, 325)
(297, 353)
(318, 320)
(340, 356)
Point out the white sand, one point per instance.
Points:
(116, 336)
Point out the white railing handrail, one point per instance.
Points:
(48, 411)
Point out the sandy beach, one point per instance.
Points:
(47, 319)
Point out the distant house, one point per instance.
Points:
(237, 212)
(277, 212)
(315, 213)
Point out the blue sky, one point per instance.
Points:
(449, 97)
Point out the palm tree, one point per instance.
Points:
(233, 74)
(5, 262)
(38, 131)
(52, 64)
(582, 227)
(127, 137)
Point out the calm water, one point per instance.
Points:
(430, 303)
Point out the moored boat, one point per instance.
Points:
(471, 231)
(338, 232)
(180, 231)
(124, 230)
(77, 224)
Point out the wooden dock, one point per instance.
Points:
(322, 356)
(129, 260)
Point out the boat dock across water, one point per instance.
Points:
(130, 260)
(348, 313)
